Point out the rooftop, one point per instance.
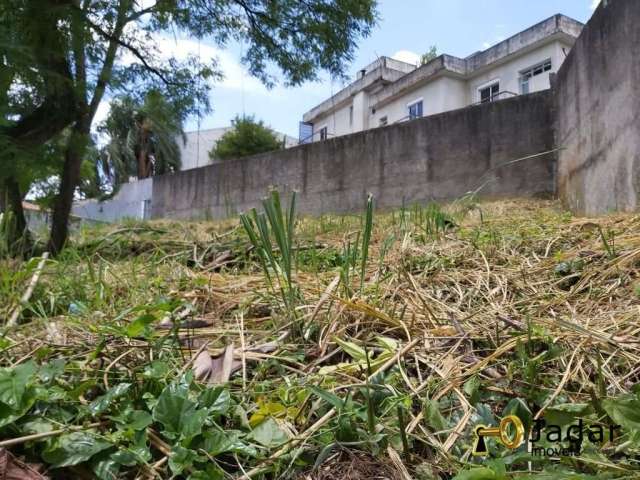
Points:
(401, 76)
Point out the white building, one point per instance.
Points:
(389, 91)
(194, 152)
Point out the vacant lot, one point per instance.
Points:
(365, 346)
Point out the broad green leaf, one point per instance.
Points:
(217, 400)
(101, 404)
(269, 434)
(134, 419)
(566, 413)
(182, 459)
(73, 448)
(140, 327)
(210, 472)
(106, 469)
(481, 473)
(178, 414)
(486, 415)
(433, 416)
(520, 409)
(625, 411)
(14, 381)
(9, 415)
(217, 442)
(52, 370)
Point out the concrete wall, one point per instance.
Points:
(434, 158)
(598, 113)
(129, 202)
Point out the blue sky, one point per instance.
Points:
(406, 28)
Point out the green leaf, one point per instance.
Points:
(106, 469)
(472, 388)
(140, 326)
(481, 473)
(52, 370)
(486, 415)
(520, 409)
(269, 434)
(73, 448)
(329, 397)
(101, 404)
(354, 351)
(217, 400)
(217, 442)
(210, 472)
(9, 415)
(433, 416)
(178, 414)
(14, 381)
(566, 413)
(625, 411)
(182, 459)
(324, 454)
(134, 419)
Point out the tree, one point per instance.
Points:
(37, 98)
(429, 55)
(78, 44)
(247, 137)
(143, 138)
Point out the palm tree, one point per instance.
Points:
(143, 138)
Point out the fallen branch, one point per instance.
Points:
(13, 320)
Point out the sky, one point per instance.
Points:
(406, 29)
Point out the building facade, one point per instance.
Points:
(194, 151)
(389, 91)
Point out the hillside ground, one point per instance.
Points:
(357, 346)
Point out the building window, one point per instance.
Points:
(351, 115)
(490, 93)
(527, 75)
(383, 121)
(324, 133)
(415, 109)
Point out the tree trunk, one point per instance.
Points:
(74, 154)
(19, 238)
(3, 198)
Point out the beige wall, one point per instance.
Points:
(444, 93)
(440, 95)
(509, 72)
(337, 123)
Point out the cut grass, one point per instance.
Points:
(418, 331)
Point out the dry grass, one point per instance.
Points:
(520, 300)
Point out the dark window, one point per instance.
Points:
(324, 133)
(415, 110)
(351, 115)
(490, 93)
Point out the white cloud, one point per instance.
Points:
(407, 57)
(235, 74)
(594, 4)
(489, 44)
